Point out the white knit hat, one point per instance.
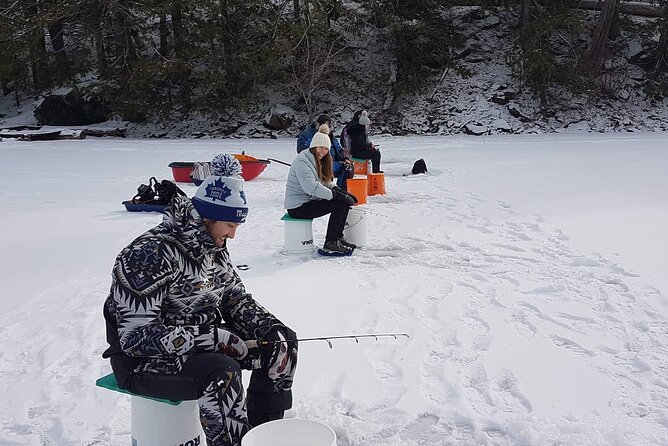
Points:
(364, 118)
(221, 195)
(321, 138)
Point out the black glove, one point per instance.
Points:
(350, 171)
(341, 196)
(338, 189)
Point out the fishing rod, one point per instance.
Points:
(258, 342)
(364, 211)
(279, 162)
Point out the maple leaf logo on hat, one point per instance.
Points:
(218, 191)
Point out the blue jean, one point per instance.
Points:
(340, 173)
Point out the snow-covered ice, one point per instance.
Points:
(529, 272)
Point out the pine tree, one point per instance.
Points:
(537, 58)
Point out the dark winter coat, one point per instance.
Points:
(305, 138)
(358, 137)
(171, 287)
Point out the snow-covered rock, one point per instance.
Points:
(502, 124)
(515, 111)
(575, 127)
(475, 129)
(280, 117)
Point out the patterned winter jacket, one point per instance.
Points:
(171, 287)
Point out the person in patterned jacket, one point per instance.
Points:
(178, 316)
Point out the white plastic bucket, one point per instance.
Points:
(155, 423)
(298, 236)
(290, 432)
(356, 228)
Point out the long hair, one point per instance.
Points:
(324, 165)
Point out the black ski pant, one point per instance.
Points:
(318, 208)
(368, 154)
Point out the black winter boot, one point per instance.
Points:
(336, 247)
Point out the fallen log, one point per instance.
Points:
(23, 127)
(632, 8)
(118, 133)
(636, 8)
(43, 135)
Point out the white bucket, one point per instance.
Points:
(155, 423)
(356, 228)
(290, 432)
(298, 236)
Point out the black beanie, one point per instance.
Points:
(323, 118)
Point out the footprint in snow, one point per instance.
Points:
(511, 398)
(571, 345)
(509, 247)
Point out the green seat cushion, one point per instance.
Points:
(359, 160)
(287, 217)
(109, 382)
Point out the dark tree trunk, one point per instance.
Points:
(599, 44)
(37, 47)
(97, 32)
(164, 35)
(662, 48)
(56, 31)
(100, 53)
(177, 27)
(525, 13)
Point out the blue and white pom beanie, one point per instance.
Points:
(221, 195)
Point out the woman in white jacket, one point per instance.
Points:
(310, 192)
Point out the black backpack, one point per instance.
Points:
(167, 190)
(419, 167)
(157, 192)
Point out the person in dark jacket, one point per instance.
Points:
(309, 192)
(342, 166)
(180, 323)
(355, 138)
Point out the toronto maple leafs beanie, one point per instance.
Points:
(221, 195)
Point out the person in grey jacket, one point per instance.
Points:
(180, 321)
(310, 193)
